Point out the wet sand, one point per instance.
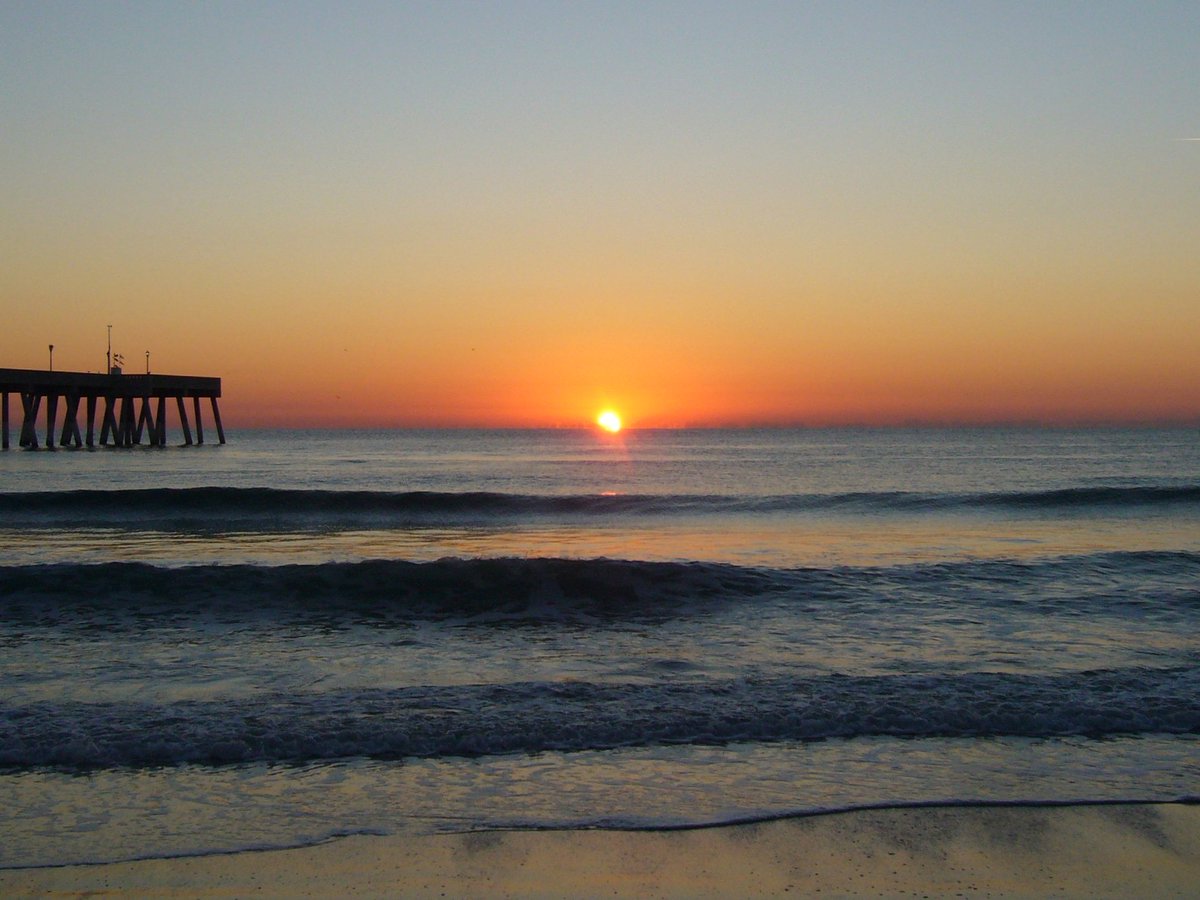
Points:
(1149, 850)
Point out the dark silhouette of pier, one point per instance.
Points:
(130, 406)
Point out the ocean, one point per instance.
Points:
(307, 634)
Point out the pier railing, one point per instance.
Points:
(130, 407)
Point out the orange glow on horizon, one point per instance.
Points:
(818, 243)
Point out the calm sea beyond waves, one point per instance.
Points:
(307, 634)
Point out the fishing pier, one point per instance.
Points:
(130, 407)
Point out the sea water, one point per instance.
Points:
(299, 635)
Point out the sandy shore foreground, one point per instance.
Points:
(1150, 850)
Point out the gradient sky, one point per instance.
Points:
(698, 213)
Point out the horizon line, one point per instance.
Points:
(1097, 425)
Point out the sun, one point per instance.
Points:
(609, 421)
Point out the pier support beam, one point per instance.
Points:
(146, 421)
(30, 403)
(4, 404)
(199, 421)
(91, 422)
(183, 421)
(217, 421)
(125, 433)
(161, 437)
(108, 427)
(70, 430)
(51, 415)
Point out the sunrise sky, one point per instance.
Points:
(694, 213)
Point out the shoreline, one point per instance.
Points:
(1014, 849)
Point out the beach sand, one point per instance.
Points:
(1145, 850)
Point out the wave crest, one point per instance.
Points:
(532, 717)
(552, 589)
(224, 508)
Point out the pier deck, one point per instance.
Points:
(116, 397)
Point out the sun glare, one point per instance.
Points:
(609, 421)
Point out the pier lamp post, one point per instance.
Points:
(51, 357)
(147, 362)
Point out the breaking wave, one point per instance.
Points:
(553, 589)
(532, 717)
(248, 508)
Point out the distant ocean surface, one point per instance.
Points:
(302, 634)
